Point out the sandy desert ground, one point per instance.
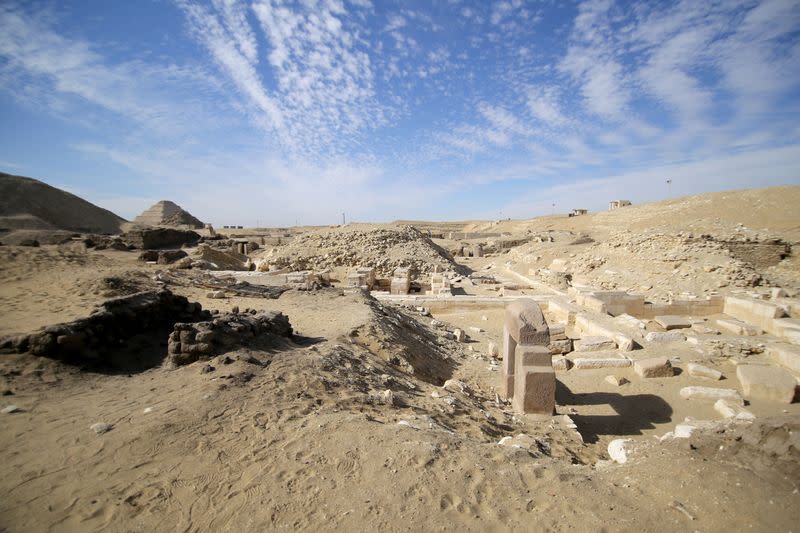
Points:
(302, 435)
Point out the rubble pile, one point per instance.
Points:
(383, 249)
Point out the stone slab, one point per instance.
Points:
(737, 327)
(594, 344)
(669, 322)
(766, 383)
(653, 367)
(699, 371)
(786, 355)
(665, 336)
(710, 393)
(729, 410)
(586, 363)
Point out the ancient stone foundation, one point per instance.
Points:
(116, 321)
(190, 342)
(528, 378)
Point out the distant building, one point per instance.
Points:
(616, 204)
(578, 212)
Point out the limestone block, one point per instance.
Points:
(699, 371)
(710, 393)
(665, 336)
(653, 367)
(527, 355)
(535, 390)
(786, 355)
(729, 410)
(737, 327)
(560, 347)
(525, 322)
(778, 293)
(786, 327)
(629, 321)
(669, 322)
(757, 312)
(594, 344)
(583, 363)
(557, 332)
(561, 363)
(400, 286)
(766, 383)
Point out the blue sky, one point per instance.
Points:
(276, 112)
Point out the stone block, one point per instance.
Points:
(525, 322)
(557, 332)
(560, 347)
(561, 363)
(766, 383)
(653, 367)
(710, 393)
(729, 410)
(737, 327)
(699, 371)
(665, 336)
(535, 390)
(786, 355)
(527, 355)
(584, 363)
(507, 386)
(669, 322)
(594, 344)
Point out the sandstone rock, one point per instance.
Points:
(594, 344)
(710, 393)
(699, 371)
(619, 450)
(665, 337)
(766, 383)
(653, 367)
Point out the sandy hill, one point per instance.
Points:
(29, 204)
(166, 213)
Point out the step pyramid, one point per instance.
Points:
(166, 213)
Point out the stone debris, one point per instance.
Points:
(669, 322)
(629, 321)
(584, 363)
(216, 295)
(766, 383)
(594, 344)
(653, 367)
(665, 336)
(710, 393)
(619, 450)
(560, 346)
(729, 410)
(459, 335)
(561, 363)
(494, 351)
(101, 427)
(617, 381)
(454, 385)
(10, 409)
(190, 342)
(699, 371)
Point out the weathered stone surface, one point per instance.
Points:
(531, 355)
(560, 346)
(786, 355)
(737, 327)
(699, 371)
(729, 410)
(534, 389)
(766, 383)
(155, 238)
(710, 393)
(111, 325)
(561, 363)
(525, 323)
(585, 363)
(617, 381)
(190, 342)
(665, 337)
(653, 367)
(594, 344)
(669, 322)
(459, 335)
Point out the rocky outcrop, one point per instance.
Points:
(108, 327)
(190, 342)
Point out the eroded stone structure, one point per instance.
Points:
(401, 281)
(528, 377)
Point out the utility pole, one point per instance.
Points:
(554, 208)
(343, 220)
(669, 187)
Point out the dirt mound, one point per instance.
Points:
(26, 203)
(383, 249)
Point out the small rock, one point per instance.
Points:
(616, 381)
(459, 335)
(618, 450)
(101, 427)
(665, 336)
(147, 410)
(216, 294)
(494, 351)
(454, 385)
(476, 330)
(7, 392)
(653, 367)
(728, 410)
(207, 369)
(10, 409)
